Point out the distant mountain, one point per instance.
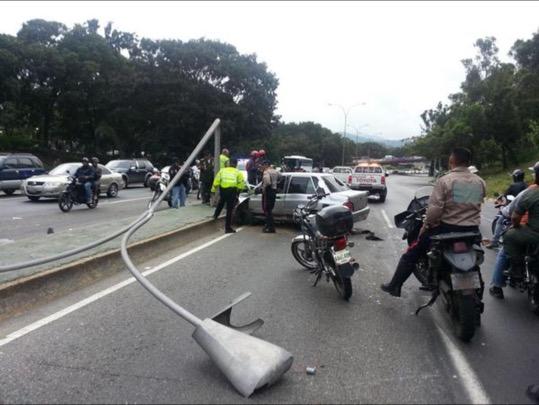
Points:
(393, 143)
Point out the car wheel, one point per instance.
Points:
(33, 198)
(146, 181)
(112, 192)
(9, 191)
(383, 197)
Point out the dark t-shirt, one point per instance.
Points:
(515, 188)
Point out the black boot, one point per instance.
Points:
(402, 272)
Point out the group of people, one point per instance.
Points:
(89, 175)
(455, 206)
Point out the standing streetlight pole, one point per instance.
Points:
(357, 129)
(345, 112)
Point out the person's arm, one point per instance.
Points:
(240, 181)
(520, 209)
(216, 182)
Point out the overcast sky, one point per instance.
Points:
(400, 58)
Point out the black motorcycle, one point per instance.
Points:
(322, 246)
(450, 268)
(529, 283)
(74, 194)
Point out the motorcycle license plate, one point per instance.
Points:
(342, 256)
(465, 281)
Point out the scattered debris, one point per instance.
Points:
(311, 370)
(372, 236)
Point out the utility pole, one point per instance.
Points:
(345, 112)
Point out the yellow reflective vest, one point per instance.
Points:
(223, 161)
(228, 177)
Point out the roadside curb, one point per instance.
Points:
(20, 295)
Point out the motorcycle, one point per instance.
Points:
(74, 194)
(450, 269)
(322, 246)
(159, 187)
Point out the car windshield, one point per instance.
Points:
(241, 164)
(334, 184)
(368, 169)
(64, 168)
(119, 164)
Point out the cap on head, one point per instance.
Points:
(85, 160)
(473, 169)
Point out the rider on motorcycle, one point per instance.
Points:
(454, 206)
(85, 176)
(498, 280)
(518, 183)
(97, 176)
(519, 237)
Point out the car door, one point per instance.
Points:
(141, 170)
(106, 179)
(255, 200)
(300, 188)
(10, 171)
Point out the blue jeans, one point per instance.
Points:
(501, 264)
(498, 230)
(88, 190)
(178, 195)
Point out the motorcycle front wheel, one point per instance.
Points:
(65, 202)
(463, 316)
(301, 254)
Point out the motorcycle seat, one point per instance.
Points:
(455, 235)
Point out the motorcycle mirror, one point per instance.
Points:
(320, 192)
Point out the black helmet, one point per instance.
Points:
(518, 175)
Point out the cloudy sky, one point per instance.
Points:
(399, 58)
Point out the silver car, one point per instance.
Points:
(52, 184)
(295, 188)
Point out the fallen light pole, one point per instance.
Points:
(248, 362)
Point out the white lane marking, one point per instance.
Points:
(6, 241)
(468, 378)
(131, 199)
(384, 214)
(15, 218)
(72, 308)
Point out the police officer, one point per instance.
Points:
(230, 182)
(454, 206)
(516, 239)
(224, 159)
(270, 179)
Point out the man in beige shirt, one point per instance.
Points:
(454, 206)
(270, 178)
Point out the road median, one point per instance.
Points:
(24, 289)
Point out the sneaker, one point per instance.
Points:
(230, 230)
(396, 292)
(496, 292)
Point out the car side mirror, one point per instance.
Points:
(132, 168)
(68, 172)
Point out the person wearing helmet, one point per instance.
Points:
(473, 169)
(260, 158)
(520, 236)
(518, 183)
(251, 168)
(85, 176)
(97, 176)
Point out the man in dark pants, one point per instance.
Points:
(454, 206)
(270, 177)
(230, 182)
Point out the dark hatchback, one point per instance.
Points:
(132, 170)
(16, 167)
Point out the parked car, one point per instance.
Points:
(369, 177)
(51, 185)
(15, 167)
(342, 173)
(294, 189)
(132, 170)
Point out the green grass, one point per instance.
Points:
(498, 179)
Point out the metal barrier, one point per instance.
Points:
(249, 363)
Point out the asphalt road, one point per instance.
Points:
(20, 217)
(127, 347)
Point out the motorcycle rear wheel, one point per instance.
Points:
(65, 202)
(343, 286)
(299, 252)
(464, 316)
